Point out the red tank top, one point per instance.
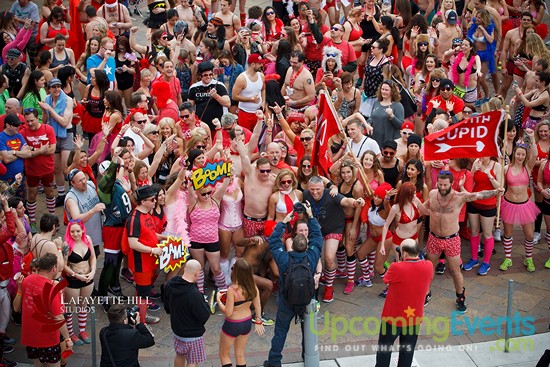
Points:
(355, 34)
(482, 182)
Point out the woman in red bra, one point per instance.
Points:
(352, 30)
(54, 26)
(481, 213)
(516, 206)
(543, 184)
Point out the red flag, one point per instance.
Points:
(472, 138)
(327, 126)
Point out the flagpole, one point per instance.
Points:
(503, 154)
(366, 186)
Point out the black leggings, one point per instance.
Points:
(406, 347)
(109, 274)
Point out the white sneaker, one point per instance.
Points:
(496, 235)
(536, 238)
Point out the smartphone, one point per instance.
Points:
(119, 70)
(307, 33)
(129, 56)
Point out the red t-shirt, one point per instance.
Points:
(39, 319)
(143, 227)
(348, 53)
(42, 164)
(314, 51)
(171, 110)
(457, 108)
(409, 282)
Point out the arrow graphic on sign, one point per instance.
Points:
(445, 147)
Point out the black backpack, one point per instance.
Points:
(299, 287)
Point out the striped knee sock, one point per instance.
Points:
(219, 280)
(528, 248)
(548, 240)
(507, 244)
(82, 318)
(329, 277)
(364, 267)
(341, 258)
(351, 264)
(69, 320)
(50, 204)
(200, 282)
(61, 191)
(31, 210)
(372, 257)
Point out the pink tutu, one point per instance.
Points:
(522, 213)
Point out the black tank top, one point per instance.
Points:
(95, 107)
(391, 174)
(350, 193)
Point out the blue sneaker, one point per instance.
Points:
(483, 268)
(470, 265)
(363, 282)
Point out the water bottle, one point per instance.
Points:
(386, 7)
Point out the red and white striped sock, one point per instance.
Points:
(351, 264)
(329, 277)
(69, 320)
(507, 244)
(31, 210)
(219, 280)
(372, 257)
(364, 267)
(200, 282)
(50, 204)
(528, 248)
(548, 240)
(341, 258)
(82, 318)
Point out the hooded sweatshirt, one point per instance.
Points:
(187, 308)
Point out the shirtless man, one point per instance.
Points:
(238, 135)
(258, 187)
(43, 242)
(231, 22)
(117, 17)
(446, 204)
(508, 53)
(448, 31)
(93, 20)
(298, 86)
(426, 8)
(186, 13)
(273, 151)
(407, 129)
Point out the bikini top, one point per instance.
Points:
(540, 107)
(479, 39)
(521, 179)
(281, 206)
(75, 258)
(404, 219)
(462, 71)
(237, 296)
(374, 218)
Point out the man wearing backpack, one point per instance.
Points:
(296, 285)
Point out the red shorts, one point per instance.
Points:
(253, 226)
(334, 236)
(46, 180)
(144, 278)
(510, 67)
(247, 120)
(397, 240)
(450, 246)
(112, 237)
(388, 237)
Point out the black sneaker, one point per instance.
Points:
(8, 340)
(440, 268)
(384, 293)
(60, 201)
(8, 349)
(428, 298)
(116, 291)
(154, 295)
(461, 305)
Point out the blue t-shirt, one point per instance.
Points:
(29, 11)
(8, 143)
(109, 69)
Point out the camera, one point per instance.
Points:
(131, 314)
(299, 208)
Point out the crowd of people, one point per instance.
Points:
(108, 119)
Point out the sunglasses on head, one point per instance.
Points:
(444, 172)
(388, 153)
(331, 55)
(286, 182)
(203, 194)
(29, 110)
(265, 170)
(306, 138)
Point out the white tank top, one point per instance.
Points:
(252, 90)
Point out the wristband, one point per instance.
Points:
(258, 322)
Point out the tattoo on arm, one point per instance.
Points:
(481, 195)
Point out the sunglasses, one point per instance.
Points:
(265, 171)
(140, 122)
(336, 28)
(306, 165)
(203, 194)
(185, 116)
(286, 182)
(164, 37)
(153, 199)
(331, 55)
(422, 43)
(306, 138)
(406, 133)
(270, 13)
(154, 132)
(203, 147)
(209, 74)
(436, 80)
(388, 153)
(447, 88)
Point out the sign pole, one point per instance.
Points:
(499, 199)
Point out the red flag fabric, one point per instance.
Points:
(327, 126)
(472, 138)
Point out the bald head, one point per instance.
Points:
(439, 124)
(410, 247)
(273, 152)
(13, 106)
(192, 271)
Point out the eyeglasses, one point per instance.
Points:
(286, 182)
(331, 55)
(444, 172)
(306, 138)
(270, 13)
(203, 147)
(140, 122)
(336, 28)
(447, 88)
(265, 171)
(422, 43)
(388, 153)
(406, 132)
(306, 165)
(436, 80)
(203, 194)
(185, 116)
(207, 74)
(29, 110)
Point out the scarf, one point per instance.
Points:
(59, 108)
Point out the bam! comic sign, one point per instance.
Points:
(472, 138)
(210, 174)
(174, 254)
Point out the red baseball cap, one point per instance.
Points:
(407, 125)
(256, 58)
